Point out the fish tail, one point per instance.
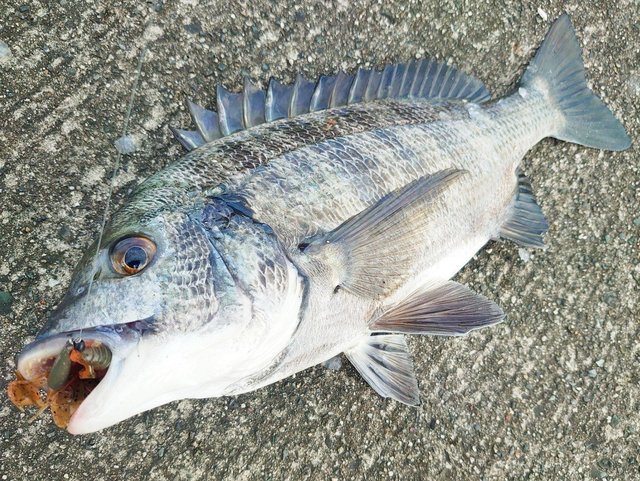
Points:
(557, 69)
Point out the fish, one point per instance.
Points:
(307, 221)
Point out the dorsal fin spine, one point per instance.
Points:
(253, 104)
(341, 89)
(385, 81)
(190, 139)
(229, 110)
(359, 86)
(278, 100)
(372, 85)
(206, 121)
(322, 95)
(301, 96)
(396, 82)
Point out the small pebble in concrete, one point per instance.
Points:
(335, 363)
(5, 51)
(543, 14)
(126, 144)
(524, 254)
(5, 303)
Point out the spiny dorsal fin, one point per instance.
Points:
(385, 363)
(423, 78)
(449, 310)
(372, 252)
(526, 224)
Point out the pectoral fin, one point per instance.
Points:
(373, 251)
(449, 310)
(384, 362)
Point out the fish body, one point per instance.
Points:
(362, 168)
(315, 220)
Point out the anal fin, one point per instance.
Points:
(526, 224)
(385, 363)
(449, 310)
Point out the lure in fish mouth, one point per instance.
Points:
(307, 221)
(69, 368)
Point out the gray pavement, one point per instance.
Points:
(551, 394)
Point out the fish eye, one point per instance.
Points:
(132, 254)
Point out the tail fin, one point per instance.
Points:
(558, 66)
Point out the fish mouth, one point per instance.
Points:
(35, 364)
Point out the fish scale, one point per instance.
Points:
(214, 163)
(312, 220)
(324, 182)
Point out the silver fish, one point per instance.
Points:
(317, 219)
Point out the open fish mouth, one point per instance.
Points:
(62, 370)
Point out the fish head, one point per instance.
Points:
(190, 304)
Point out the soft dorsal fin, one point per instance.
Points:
(385, 363)
(425, 79)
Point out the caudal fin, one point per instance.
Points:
(558, 69)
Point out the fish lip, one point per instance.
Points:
(32, 360)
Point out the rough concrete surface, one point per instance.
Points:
(551, 394)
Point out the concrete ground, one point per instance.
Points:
(553, 393)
